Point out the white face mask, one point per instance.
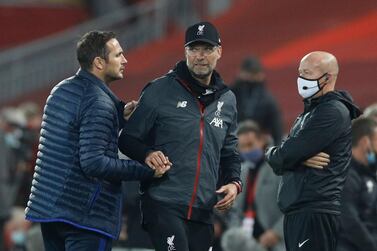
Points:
(307, 88)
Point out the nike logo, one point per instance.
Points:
(302, 243)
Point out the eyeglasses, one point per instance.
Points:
(200, 50)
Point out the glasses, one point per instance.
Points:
(196, 50)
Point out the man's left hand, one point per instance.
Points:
(269, 239)
(230, 192)
(129, 108)
(318, 161)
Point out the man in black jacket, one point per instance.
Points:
(310, 197)
(187, 117)
(254, 101)
(358, 222)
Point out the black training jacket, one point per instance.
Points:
(324, 126)
(199, 139)
(358, 221)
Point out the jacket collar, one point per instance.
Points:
(341, 96)
(98, 82)
(82, 73)
(205, 94)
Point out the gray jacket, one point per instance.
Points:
(267, 210)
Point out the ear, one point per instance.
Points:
(98, 63)
(219, 51)
(365, 142)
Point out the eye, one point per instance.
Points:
(209, 49)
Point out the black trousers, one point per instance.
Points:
(59, 236)
(169, 232)
(311, 231)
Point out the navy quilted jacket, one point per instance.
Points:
(78, 174)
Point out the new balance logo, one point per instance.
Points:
(217, 122)
(170, 241)
(181, 104)
(300, 244)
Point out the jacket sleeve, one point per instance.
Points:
(324, 125)
(96, 132)
(230, 160)
(135, 138)
(350, 220)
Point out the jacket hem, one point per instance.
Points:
(312, 210)
(71, 223)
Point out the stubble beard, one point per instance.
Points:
(202, 76)
(113, 77)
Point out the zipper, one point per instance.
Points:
(94, 197)
(199, 159)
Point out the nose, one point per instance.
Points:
(201, 54)
(124, 60)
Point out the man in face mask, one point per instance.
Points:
(314, 159)
(254, 101)
(358, 222)
(259, 214)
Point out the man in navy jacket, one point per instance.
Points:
(76, 191)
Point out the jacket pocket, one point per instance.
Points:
(94, 197)
(290, 190)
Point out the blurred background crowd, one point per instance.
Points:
(263, 41)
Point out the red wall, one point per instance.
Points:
(22, 24)
(281, 33)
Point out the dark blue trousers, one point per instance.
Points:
(58, 236)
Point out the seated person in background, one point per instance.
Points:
(358, 221)
(256, 206)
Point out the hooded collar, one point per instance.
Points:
(205, 94)
(342, 96)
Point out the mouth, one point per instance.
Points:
(201, 65)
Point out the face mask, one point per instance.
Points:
(253, 156)
(18, 237)
(371, 157)
(12, 141)
(307, 88)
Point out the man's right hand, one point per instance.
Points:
(158, 162)
(318, 161)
